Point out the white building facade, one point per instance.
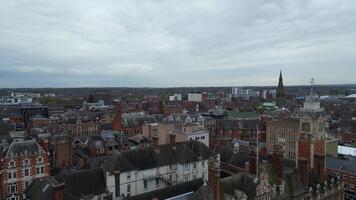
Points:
(173, 164)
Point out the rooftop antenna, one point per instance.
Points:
(312, 84)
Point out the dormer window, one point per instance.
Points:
(12, 164)
(26, 162)
(39, 160)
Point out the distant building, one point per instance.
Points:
(28, 111)
(15, 100)
(95, 105)
(170, 107)
(175, 97)
(245, 94)
(312, 141)
(195, 97)
(284, 132)
(130, 123)
(269, 94)
(100, 96)
(25, 94)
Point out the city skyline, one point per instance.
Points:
(176, 44)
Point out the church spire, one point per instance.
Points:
(280, 89)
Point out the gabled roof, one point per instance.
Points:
(228, 156)
(156, 156)
(76, 185)
(243, 181)
(26, 147)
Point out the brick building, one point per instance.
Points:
(21, 164)
(283, 132)
(130, 123)
(62, 152)
(170, 107)
(344, 168)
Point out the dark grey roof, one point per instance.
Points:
(294, 188)
(76, 185)
(130, 120)
(228, 156)
(203, 193)
(172, 191)
(234, 124)
(341, 164)
(243, 181)
(25, 147)
(155, 156)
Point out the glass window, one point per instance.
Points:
(186, 178)
(27, 184)
(186, 166)
(39, 160)
(26, 162)
(194, 165)
(128, 175)
(12, 188)
(12, 175)
(27, 172)
(12, 164)
(145, 184)
(305, 127)
(128, 188)
(157, 181)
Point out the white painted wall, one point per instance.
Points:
(136, 179)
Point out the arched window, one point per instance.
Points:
(39, 160)
(26, 162)
(12, 164)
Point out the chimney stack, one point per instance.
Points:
(214, 175)
(117, 183)
(58, 191)
(155, 140)
(116, 124)
(277, 160)
(172, 139)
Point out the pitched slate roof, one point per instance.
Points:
(131, 120)
(76, 185)
(155, 156)
(203, 193)
(244, 115)
(294, 188)
(243, 181)
(24, 147)
(234, 124)
(228, 156)
(341, 164)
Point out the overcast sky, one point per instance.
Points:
(163, 43)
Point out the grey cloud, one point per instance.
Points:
(175, 43)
